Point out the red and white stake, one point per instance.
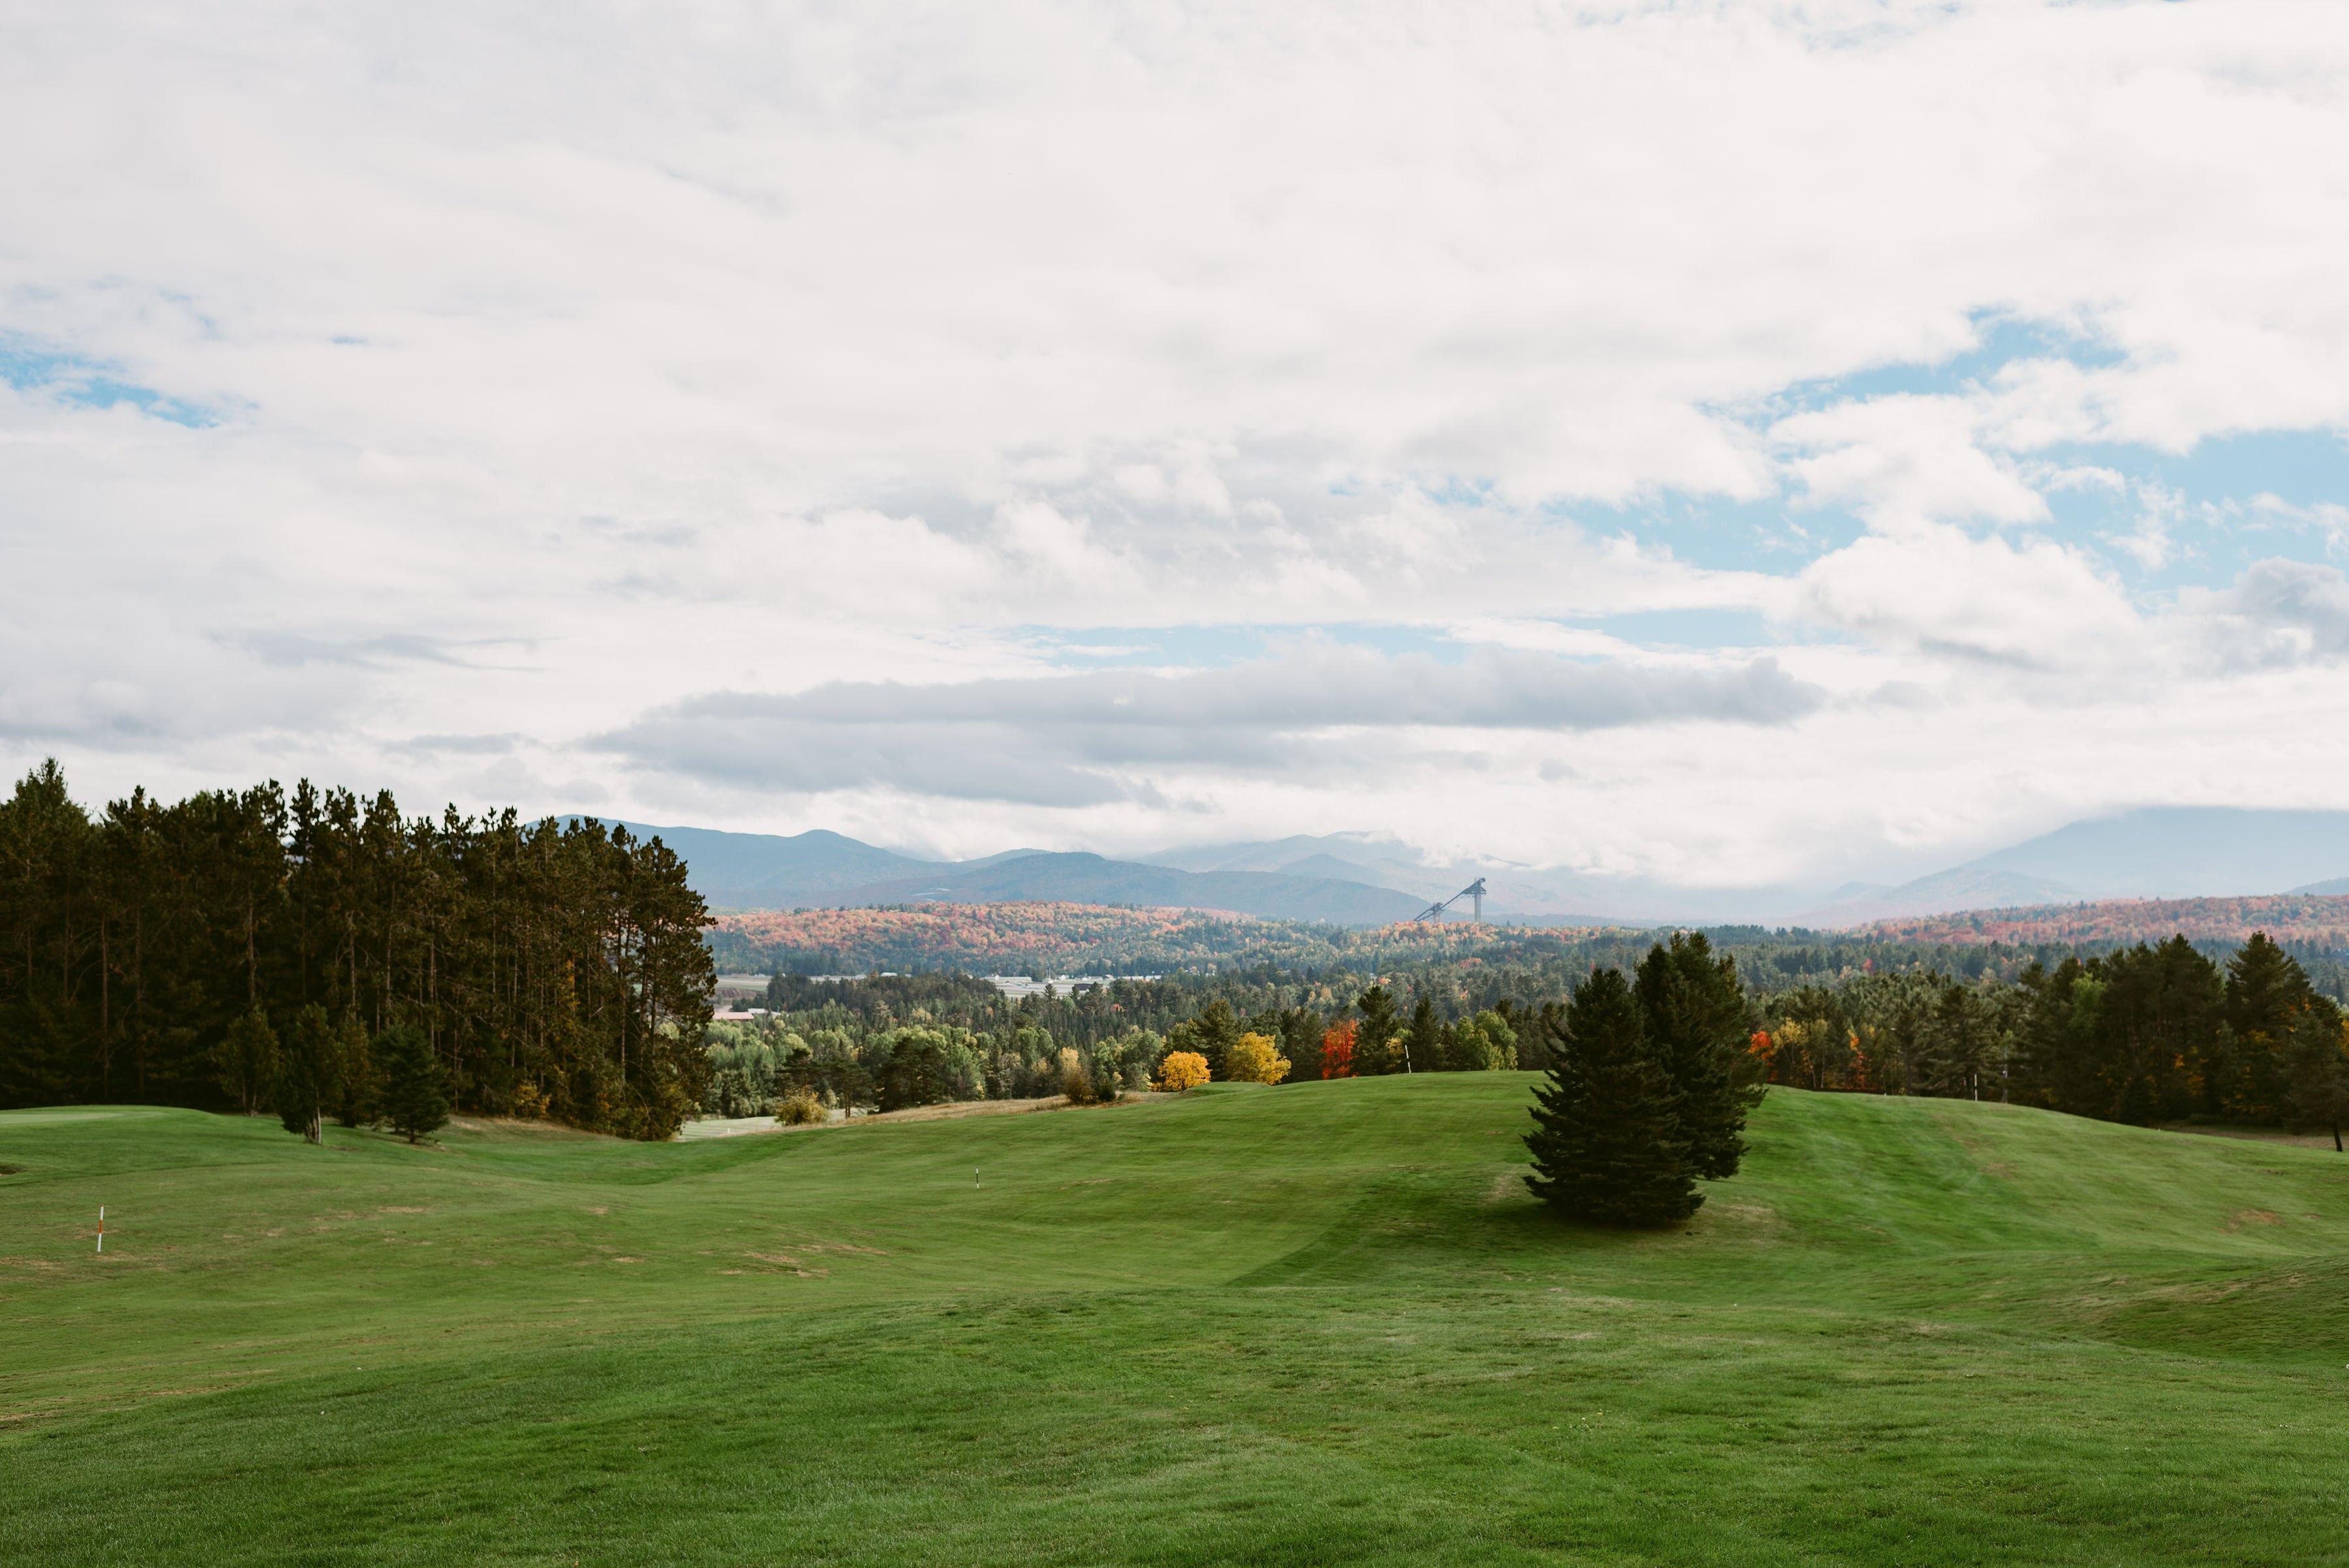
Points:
(102, 1227)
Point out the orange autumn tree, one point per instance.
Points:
(1255, 1060)
(1337, 1050)
(1182, 1072)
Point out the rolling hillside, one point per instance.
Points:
(2295, 917)
(1319, 1324)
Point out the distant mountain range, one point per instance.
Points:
(2154, 852)
(1357, 878)
(827, 870)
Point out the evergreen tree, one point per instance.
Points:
(1374, 1042)
(1607, 1141)
(1423, 1039)
(2316, 1076)
(1301, 1041)
(415, 1090)
(2267, 992)
(1693, 1012)
(356, 1080)
(2160, 1012)
(306, 1073)
(247, 1060)
(916, 1062)
(1212, 1035)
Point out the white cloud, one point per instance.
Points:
(561, 366)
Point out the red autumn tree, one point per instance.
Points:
(1337, 1050)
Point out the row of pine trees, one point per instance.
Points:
(2149, 1034)
(549, 968)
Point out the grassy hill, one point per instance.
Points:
(1314, 1325)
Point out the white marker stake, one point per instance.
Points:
(102, 1227)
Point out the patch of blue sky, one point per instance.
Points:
(1774, 534)
(2304, 468)
(1999, 339)
(2228, 502)
(85, 383)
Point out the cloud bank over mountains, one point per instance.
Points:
(1710, 441)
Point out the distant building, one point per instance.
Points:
(1016, 986)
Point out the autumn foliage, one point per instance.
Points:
(1337, 1050)
(1026, 938)
(1183, 1071)
(1257, 1060)
(2312, 919)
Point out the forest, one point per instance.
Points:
(262, 950)
(2148, 1034)
(192, 953)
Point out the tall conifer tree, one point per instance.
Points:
(1423, 1039)
(306, 1073)
(1606, 1142)
(1374, 1042)
(1694, 1014)
(415, 1092)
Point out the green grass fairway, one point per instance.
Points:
(1321, 1323)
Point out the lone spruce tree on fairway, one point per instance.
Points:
(1606, 1143)
(415, 1099)
(1694, 1010)
(308, 1068)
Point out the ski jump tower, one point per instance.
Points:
(1475, 892)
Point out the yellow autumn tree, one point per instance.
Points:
(1255, 1060)
(1181, 1071)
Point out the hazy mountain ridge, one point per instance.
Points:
(1362, 878)
(1082, 878)
(825, 869)
(2321, 922)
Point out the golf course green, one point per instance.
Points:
(1317, 1323)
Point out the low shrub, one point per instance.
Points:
(800, 1109)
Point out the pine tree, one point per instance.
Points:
(1213, 1034)
(306, 1073)
(415, 1098)
(1374, 1042)
(1606, 1142)
(246, 1060)
(2267, 991)
(356, 1084)
(1423, 1040)
(1694, 1014)
(2316, 1077)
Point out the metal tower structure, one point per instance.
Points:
(1475, 892)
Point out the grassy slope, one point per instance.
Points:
(1319, 1324)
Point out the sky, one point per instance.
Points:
(1723, 443)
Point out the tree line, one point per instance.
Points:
(206, 951)
(2149, 1033)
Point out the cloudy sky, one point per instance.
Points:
(1720, 442)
